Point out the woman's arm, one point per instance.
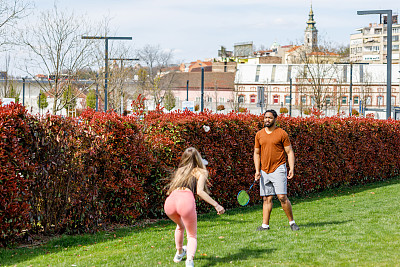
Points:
(201, 183)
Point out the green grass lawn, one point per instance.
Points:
(356, 226)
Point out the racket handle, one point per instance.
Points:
(252, 184)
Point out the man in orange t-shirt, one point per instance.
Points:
(271, 147)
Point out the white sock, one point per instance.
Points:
(291, 222)
(265, 225)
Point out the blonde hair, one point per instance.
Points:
(184, 176)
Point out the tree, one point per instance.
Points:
(155, 62)
(169, 100)
(13, 92)
(91, 99)
(42, 100)
(10, 12)
(57, 49)
(318, 74)
(69, 99)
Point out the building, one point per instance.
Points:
(311, 33)
(219, 89)
(369, 44)
(331, 90)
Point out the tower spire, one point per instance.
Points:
(311, 22)
(311, 32)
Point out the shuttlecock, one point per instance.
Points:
(206, 128)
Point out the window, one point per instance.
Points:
(241, 99)
(253, 99)
(221, 100)
(395, 38)
(393, 100)
(209, 99)
(258, 73)
(368, 100)
(356, 100)
(312, 100)
(380, 100)
(276, 99)
(197, 99)
(367, 48)
(344, 100)
(327, 100)
(303, 99)
(395, 47)
(287, 99)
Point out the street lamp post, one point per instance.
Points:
(23, 92)
(290, 98)
(389, 55)
(202, 89)
(187, 90)
(106, 59)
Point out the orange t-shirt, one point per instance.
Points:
(272, 148)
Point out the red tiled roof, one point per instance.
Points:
(294, 48)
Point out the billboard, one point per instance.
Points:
(189, 105)
(243, 49)
(6, 101)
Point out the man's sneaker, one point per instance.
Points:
(189, 263)
(260, 228)
(178, 257)
(295, 227)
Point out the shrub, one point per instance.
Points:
(75, 175)
(354, 112)
(220, 107)
(307, 111)
(15, 172)
(243, 110)
(283, 110)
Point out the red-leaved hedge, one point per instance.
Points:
(77, 175)
(15, 172)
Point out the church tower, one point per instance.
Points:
(311, 33)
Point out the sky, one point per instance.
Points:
(196, 29)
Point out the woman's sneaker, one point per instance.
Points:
(189, 263)
(178, 257)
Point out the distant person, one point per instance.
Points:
(190, 178)
(271, 145)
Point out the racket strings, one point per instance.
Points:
(243, 198)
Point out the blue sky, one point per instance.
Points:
(196, 29)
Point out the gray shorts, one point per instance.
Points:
(275, 183)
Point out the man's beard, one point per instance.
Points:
(270, 125)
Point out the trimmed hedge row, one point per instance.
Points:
(15, 172)
(68, 175)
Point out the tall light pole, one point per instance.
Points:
(290, 97)
(389, 55)
(23, 91)
(106, 59)
(202, 88)
(187, 90)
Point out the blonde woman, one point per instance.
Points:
(190, 178)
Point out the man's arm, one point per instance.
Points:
(290, 153)
(257, 163)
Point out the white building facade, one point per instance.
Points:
(367, 94)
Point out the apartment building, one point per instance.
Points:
(369, 44)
